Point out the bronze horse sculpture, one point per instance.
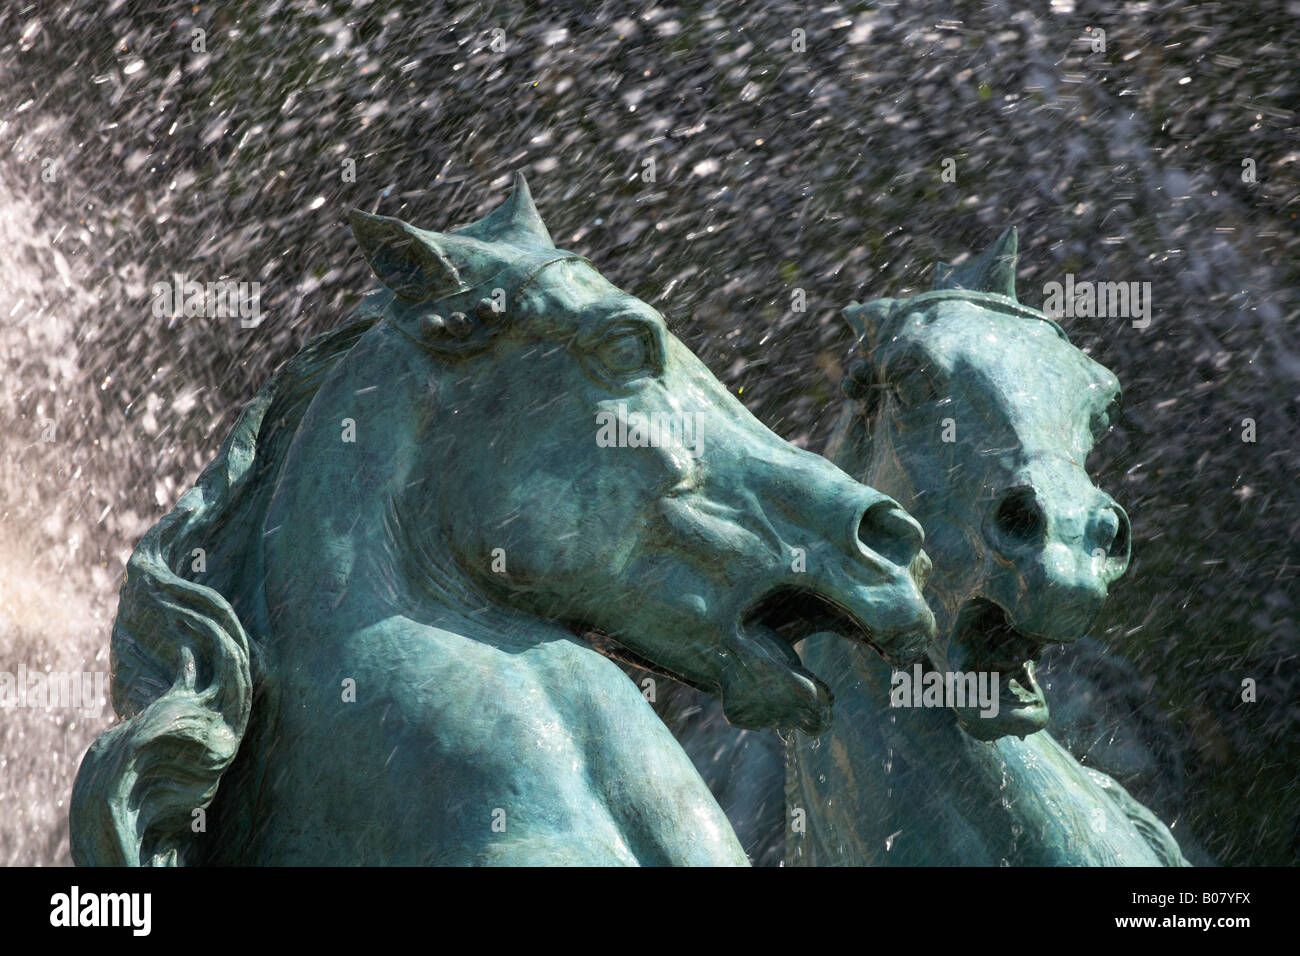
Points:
(408, 533)
(978, 415)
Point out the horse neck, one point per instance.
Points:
(866, 728)
(882, 773)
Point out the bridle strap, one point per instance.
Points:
(992, 300)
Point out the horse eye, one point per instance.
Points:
(912, 384)
(624, 352)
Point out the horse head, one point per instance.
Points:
(981, 417)
(623, 490)
(501, 456)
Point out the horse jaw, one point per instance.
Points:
(983, 639)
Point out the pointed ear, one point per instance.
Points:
(515, 221)
(993, 271)
(409, 261)
(865, 320)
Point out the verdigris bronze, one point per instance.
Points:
(978, 414)
(378, 659)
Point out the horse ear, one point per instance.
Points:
(516, 221)
(865, 320)
(993, 271)
(409, 261)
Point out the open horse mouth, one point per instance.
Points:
(769, 628)
(784, 617)
(985, 641)
(792, 614)
(766, 634)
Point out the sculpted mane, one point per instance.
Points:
(185, 644)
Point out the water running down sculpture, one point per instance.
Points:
(354, 678)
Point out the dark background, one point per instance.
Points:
(775, 170)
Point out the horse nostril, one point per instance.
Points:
(888, 530)
(1020, 517)
(1109, 533)
(1119, 544)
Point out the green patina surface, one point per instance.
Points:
(408, 534)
